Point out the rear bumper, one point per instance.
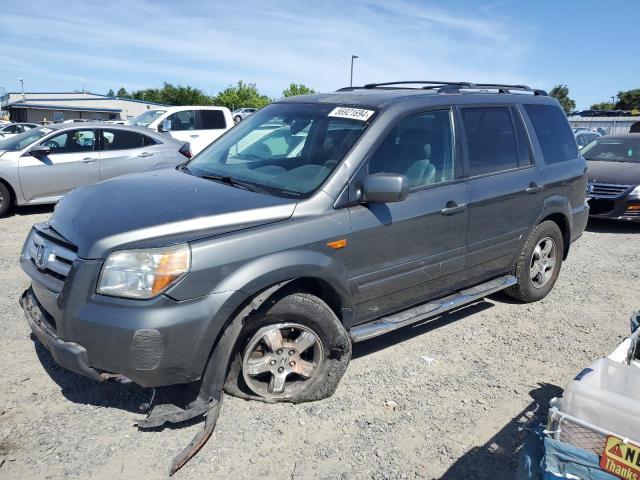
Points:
(580, 217)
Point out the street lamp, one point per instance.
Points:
(353, 57)
(613, 102)
(22, 88)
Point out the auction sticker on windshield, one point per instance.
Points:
(361, 114)
(621, 458)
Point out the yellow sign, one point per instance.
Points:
(621, 459)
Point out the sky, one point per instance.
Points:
(56, 45)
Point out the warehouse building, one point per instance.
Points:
(610, 125)
(38, 107)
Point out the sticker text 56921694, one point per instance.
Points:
(361, 114)
(621, 458)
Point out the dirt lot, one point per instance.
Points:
(438, 400)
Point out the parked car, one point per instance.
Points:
(242, 113)
(585, 136)
(12, 129)
(194, 124)
(614, 176)
(263, 268)
(42, 164)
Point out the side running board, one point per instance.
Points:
(430, 309)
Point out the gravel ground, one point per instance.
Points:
(441, 400)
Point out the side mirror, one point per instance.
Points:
(384, 188)
(39, 151)
(165, 126)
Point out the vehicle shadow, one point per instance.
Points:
(30, 210)
(498, 457)
(368, 347)
(82, 390)
(601, 225)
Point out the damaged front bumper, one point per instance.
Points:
(68, 355)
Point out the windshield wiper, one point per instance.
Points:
(233, 182)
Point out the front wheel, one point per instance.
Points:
(5, 199)
(539, 264)
(294, 350)
(237, 119)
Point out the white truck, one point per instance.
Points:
(198, 125)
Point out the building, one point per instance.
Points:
(57, 107)
(611, 125)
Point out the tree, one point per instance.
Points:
(122, 92)
(297, 89)
(241, 95)
(172, 95)
(629, 100)
(603, 106)
(110, 93)
(561, 93)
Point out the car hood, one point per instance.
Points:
(619, 173)
(159, 208)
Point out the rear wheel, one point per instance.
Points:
(237, 118)
(539, 264)
(293, 350)
(5, 199)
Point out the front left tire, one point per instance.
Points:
(294, 349)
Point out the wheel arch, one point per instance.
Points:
(557, 210)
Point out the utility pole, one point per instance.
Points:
(82, 83)
(353, 57)
(613, 102)
(22, 88)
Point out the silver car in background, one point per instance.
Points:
(12, 129)
(42, 164)
(242, 113)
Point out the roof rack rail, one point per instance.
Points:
(449, 87)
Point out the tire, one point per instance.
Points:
(237, 119)
(6, 200)
(298, 317)
(533, 286)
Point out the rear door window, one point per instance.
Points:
(554, 133)
(490, 140)
(121, 140)
(211, 120)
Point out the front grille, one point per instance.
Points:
(607, 190)
(51, 255)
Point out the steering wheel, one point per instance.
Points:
(51, 144)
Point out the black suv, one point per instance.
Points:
(319, 221)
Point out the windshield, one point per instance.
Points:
(286, 149)
(613, 150)
(145, 119)
(24, 139)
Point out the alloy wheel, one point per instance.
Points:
(281, 359)
(543, 262)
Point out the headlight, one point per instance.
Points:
(143, 273)
(636, 191)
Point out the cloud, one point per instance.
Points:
(211, 44)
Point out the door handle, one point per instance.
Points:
(195, 136)
(88, 160)
(534, 187)
(145, 154)
(453, 207)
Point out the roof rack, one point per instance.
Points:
(449, 87)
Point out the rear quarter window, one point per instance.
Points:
(211, 120)
(554, 133)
